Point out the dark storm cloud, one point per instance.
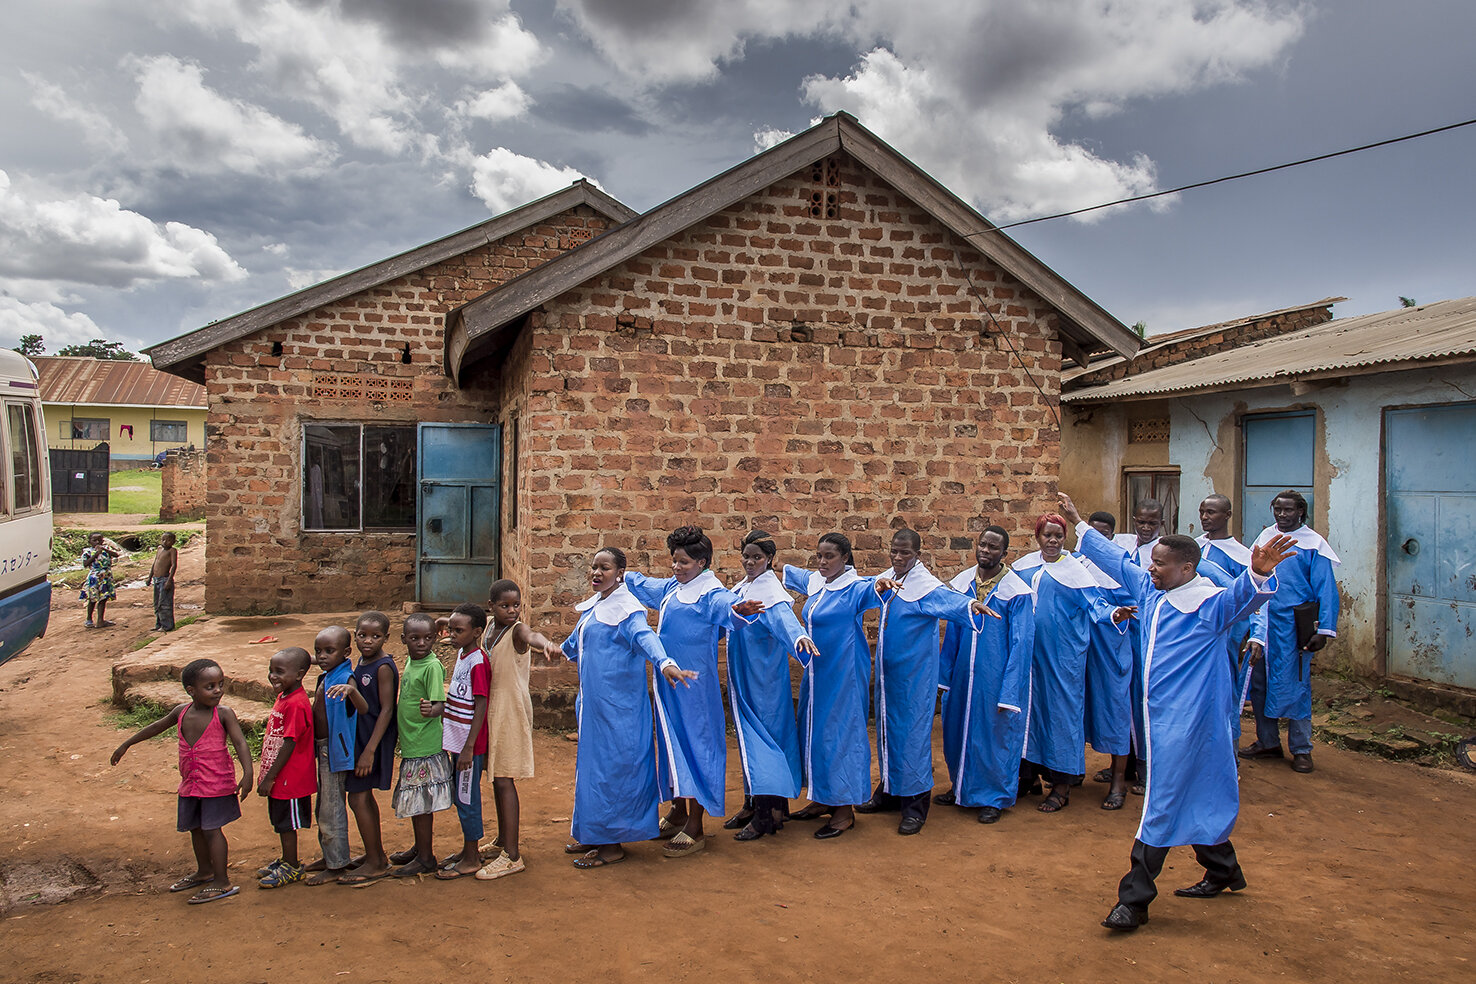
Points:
(590, 109)
(421, 23)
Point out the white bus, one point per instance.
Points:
(25, 508)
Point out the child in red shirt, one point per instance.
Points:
(288, 770)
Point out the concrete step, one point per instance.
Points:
(163, 693)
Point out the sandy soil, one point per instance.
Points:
(1359, 872)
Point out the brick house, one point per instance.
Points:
(822, 337)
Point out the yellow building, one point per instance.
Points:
(133, 408)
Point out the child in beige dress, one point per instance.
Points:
(508, 643)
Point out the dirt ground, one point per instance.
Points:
(1359, 872)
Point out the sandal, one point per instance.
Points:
(357, 881)
(1114, 801)
(683, 844)
(1139, 789)
(414, 867)
(1054, 803)
(191, 881)
(452, 873)
(1104, 776)
(665, 830)
(593, 860)
(212, 894)
(574, 847)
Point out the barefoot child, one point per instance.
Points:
(464, 733)
(507, 643)
(375, 683)
(97, 561)
(424, 787)
(288, 778)
(333, 727)
(161, 576)
(208, 787)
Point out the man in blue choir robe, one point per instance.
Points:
(1192, 792)
(1246, 640)
(1281, 683)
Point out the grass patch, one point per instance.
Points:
(187, 620)
(135, 491)
(143, 642)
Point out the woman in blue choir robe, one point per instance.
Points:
(1193, 794)
(913, 602)
(1067, 601)
(832, 701)
(1281, 683)
(761, 696)
(985, 678)
(693, 609)
(615, 793)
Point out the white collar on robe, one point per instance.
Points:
(1010, 586)
(1068, 571)
(1103, 579)
(766, 588)
(1232, 548)
(918, 582)
(614, 608)
(1306, 539)
(698, 587)
(844, 579)
(1188, 597)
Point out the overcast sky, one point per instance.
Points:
(166, 165)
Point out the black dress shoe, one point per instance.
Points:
(1259, 751)
(1302, 762)
(1124, 918)
(812, 812)
(1207, 889)
(738, 820)
(874, 805)
(826, 832)
(910, 826)
(989, 814)
(946, 799)
(748, 833)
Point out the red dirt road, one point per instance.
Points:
(1362, 871)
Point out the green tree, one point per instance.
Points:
(31, 345)
(1408, 301)
(1141, 327)
(101, 349)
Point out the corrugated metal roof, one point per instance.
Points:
(1430, 331)
(108, 383)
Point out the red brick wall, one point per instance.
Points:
(257, 556)
(769, 369)
(182, 486)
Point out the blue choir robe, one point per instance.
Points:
(615, 793)
(1067, 601)
(1142, 552)
(833, 693)
(1108, 720)
(1193, 793)
(691, 729)
(1233, 558)
(985, 678)
(759, 689)
(1306, 577)
(907, 676)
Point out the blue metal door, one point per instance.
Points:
(459, 508)
(1279, 455)
(1430, 546)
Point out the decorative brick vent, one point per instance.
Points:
(376, 389)
(1154, 430)
(824, 201)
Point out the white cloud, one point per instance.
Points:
(89, 240)
(204, 132)
(97, 130)
(57, 327)
(298, 278)
(975, 93)
(769, 137)
(276, 249)
(504, 102)
(506, 180)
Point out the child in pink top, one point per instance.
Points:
(208, 787)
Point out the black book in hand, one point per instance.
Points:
(1305, 618)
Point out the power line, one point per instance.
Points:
(1228, 177)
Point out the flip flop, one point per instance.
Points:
(212, 895)
(593, 860)
(358, 881)
(404, 870)
(192, 881)
(402, 857)
(451, 874)
(574, 847)
(684, 844)
(321, 878)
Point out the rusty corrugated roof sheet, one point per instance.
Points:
(1429, 331)
(104, 382)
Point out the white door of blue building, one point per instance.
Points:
(1430, 543)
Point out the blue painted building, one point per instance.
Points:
(1372, 418)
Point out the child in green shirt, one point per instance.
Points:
(424, 785)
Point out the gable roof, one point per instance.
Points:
(476, 328)
(1390, 340)
(184, 354)
(107, 382)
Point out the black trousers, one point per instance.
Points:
(911, 806)
(1136, 889)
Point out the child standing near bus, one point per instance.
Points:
(208, 788)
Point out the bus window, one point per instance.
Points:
(25, 464)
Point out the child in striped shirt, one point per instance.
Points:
(464, 733)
